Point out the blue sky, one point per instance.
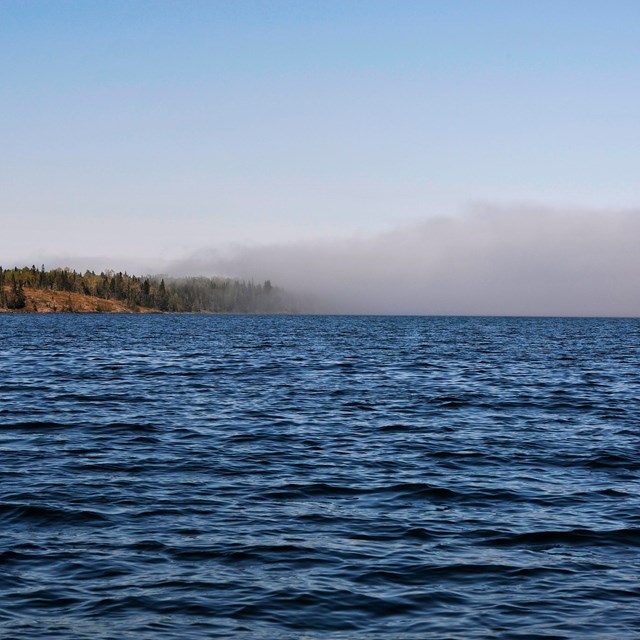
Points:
(161, 128)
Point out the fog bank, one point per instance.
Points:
(510, 261)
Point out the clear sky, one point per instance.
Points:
(156, 129)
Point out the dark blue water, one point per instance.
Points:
(319, 477)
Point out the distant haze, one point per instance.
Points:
(337, 148)
(515, 261)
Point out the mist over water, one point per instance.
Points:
(510, 261)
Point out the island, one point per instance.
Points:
(62, 290)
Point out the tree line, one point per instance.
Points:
(193, 294)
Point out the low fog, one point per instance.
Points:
(512, 261)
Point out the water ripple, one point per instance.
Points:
(270, 477)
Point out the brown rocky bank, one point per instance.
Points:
(47, 301)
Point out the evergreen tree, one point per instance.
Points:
(3, 295)
(16, 298)
(163, 298)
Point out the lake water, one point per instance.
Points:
(271, 477)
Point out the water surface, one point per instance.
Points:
(318, 477)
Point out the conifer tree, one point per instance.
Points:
(3, 295)
(17, 298)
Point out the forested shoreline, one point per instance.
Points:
(29, 289)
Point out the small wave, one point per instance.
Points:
(15, 512)
(45, 599)
(393, 428)
(323, 608)
(131, 427)
(145, 604)
(613, 461)
(424, 574)
(451, 402)
(321, 489)
(37, 425)
(627, 537)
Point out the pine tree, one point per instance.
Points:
(17, 298)
(3, 295)
(163, 298)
